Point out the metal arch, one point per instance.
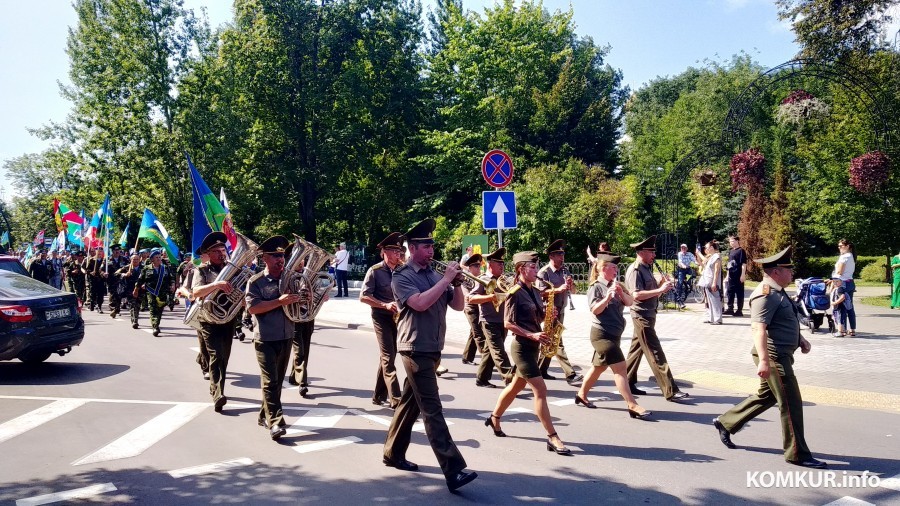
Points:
(854, 80)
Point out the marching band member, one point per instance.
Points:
(187, 272)
(376, 292)
(422, 296)
(607, 300)
(273, 332)
(216, 337)
(302, 341)
(491, 321)
(560, 284)
(522, 315)
(476, 333)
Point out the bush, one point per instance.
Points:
(873, 272)
(822, 267)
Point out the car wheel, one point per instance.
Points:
(35, 358)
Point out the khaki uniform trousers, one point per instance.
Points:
(217, 339)
(387, 386)
(496, 356)
(302, 341)
(421, 396)
(273, 358)
(646, 342)
(782, 389)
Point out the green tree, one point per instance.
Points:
(836, 29)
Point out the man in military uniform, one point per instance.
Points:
(422, 296)
(302, 341)
(640, 282)
(145, 261)
(559, 283)
(776, 336)
(376, 292)
(493, 355)
(128, 278)
(157, 282)
(273, 332)
(75, 274)
(216, 336)
(96, 279)
(170, 300)
(114, 263)
(475, 340)
(184, 290)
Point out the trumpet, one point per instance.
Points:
(490, 287)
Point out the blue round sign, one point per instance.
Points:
(497, 168)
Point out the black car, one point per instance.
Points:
(36, 320)
(12, 264)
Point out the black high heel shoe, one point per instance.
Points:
(489, 422)
(641, 416)
(560, 450)
(584, 402)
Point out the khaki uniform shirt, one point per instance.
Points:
(377, 284)
(776, 310)
(272, 325)
(525, 308)
(638, 278)
(420, 331)
(486, 311)
(612, 320)
(555, 279)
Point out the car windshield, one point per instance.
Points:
(12, 265)
(15, 286)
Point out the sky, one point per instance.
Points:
(647, 39)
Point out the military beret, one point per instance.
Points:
(609, 257)
(476, 258)
(497, 255)
(526, 256)
(274, 244)
(421, 233)
(155, 252)
(648, 244)
(557, 246)
(393, 241)
(115, 247)
(780, 259)
(144, 250)
(212, 240)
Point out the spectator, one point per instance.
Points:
(341, 263)
(682, 271)
(466, 256)
(601, 248)
(39, 268)
(737, 274)
(55, 270)
(843, 269)
(895, 266)
(711, 280)
(839, 301)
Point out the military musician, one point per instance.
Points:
(491, 321)
(559, 283)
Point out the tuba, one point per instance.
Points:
(219, 307)
(309, 282)
(553, 328)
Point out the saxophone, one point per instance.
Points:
(552, 327)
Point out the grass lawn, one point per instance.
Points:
(880, 300)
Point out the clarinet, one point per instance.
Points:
(565, 272)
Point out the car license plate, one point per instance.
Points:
(54, 314)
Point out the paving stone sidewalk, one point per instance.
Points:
(718, 355)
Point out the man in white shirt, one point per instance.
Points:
(341, 263)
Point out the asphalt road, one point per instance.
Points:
(127, 418)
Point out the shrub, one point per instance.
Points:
(873, 272)
(823, 266)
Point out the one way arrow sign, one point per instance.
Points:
(499, 210)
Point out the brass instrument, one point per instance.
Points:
(219, 307)
(552, 327)
(490, 287)
(309, 282)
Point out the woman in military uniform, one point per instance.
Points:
(523, 314)
(607, 300)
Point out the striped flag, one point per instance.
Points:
(209, 215)
(153, 229)
(39, 238)
(4, 241)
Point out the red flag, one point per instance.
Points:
(39, 239)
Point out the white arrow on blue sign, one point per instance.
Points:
(499, 210)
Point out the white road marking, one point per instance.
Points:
(195, 349)
(892, 483)
(420, 426)
(140, 439)
(78, 493)
(317, 418)
(563, 402)
(122, 401)
(326, 445)
(517, 409)
(211, 468)
(39, 416)
(374, 418)
(849, 501)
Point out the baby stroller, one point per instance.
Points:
(814, 304)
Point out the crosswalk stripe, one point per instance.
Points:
(374, 418)
(316, 418)
(892, 483)
(78, 493)
(211, 468)
(849, 501)
(517, 409)
(140, 439)
(39, 416)
(326, 445)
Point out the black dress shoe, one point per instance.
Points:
(738, 314)
(586, 403)
(678, 396)
(635, 390)
(155, 332)
(134, 325)
(810, 462)
(206, 375)
(292, 380)
(378, 402)
(485, 384)
(574, 379)
(468, 362)
(560, 450)
(460, 479)
(221, 401)
(304, 392)
(724, 435)
(403, 464)
(548, 377)
(276, 432)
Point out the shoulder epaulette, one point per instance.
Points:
(400, 268)
(514, 289)
(377, 266)
(256, 276)
(766, 289)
